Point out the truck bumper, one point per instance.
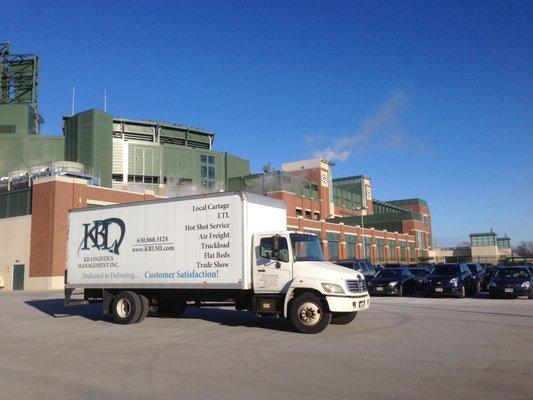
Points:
(348, 304)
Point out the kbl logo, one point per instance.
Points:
(105, 234)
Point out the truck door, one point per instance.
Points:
(272, 272)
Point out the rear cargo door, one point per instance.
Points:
(271, 275)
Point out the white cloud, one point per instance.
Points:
(385, 115)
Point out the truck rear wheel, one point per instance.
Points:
(145, 307)
(127, 308)
(309, 313)
(343, 318)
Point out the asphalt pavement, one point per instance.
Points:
(402, 348)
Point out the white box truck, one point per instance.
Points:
(162, 255)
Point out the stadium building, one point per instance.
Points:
(101, 160)
(343, 212)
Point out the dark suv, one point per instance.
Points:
(512, 282)
(450, 279)
(363, 266)
(478, 273)
(393, 281)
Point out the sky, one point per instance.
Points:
(429, 99)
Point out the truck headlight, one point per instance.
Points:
(332, 288)
(493, 284)
(526, 284)
(393, 284)
(454, 281)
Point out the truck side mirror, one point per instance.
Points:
(275, 244)
(279, 253)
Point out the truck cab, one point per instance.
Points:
(290, 277)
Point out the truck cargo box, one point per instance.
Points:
(191, 242)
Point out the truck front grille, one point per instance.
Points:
(356, 286)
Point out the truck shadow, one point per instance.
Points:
(56, 309)
(229, 317)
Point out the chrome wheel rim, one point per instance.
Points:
(309, 313)
(123, 308)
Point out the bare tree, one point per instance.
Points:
(524, 249)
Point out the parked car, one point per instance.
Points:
(420, 277)
(512, 282)
(393, 281)
(363, 266)
(450, 279)
(478, 273)
(395, 265)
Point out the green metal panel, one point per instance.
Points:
(103, 145)
(144, 160)
(198, 137)
(88, 140)
(21, 151)
(404, 202)
(173, 133)
(22, 116)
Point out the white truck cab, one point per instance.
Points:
(291, 265)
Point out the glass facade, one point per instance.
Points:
(380, 250)
(351, 241)
(504, 243)
(403, 255)
(488, 239)
(274, 182)
(207, 171)
(367, 243)
(420, 240)
(333, 245)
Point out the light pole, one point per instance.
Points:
(361, 209)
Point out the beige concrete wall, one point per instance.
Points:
(15, 236)
(45, 283)
(484, 251)
(450, 252)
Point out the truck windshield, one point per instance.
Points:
(306, 247)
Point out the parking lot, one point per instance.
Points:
(402, 348)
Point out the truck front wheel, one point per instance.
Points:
(309, 313)
(127, 308)
(343, 318)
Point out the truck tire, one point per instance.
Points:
(309, 313)
(343, 318)
(462, 293)
(127, 308)
(530, 294)
(145, 307)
